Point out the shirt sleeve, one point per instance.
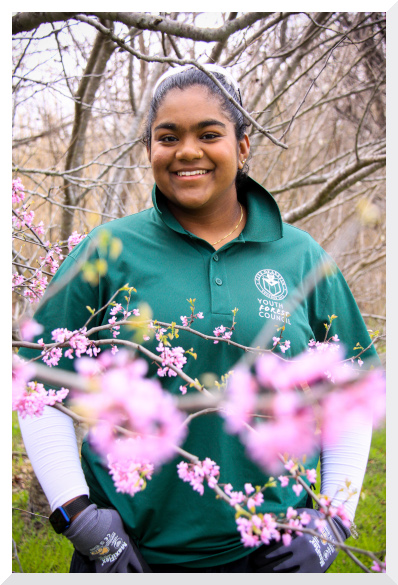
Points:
(51, 446)
(345, 459)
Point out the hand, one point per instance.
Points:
(99, 534)
(304, 554)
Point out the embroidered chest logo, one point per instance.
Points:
(271, 284)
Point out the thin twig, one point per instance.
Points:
(16, 555)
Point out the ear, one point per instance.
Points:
(244, 149)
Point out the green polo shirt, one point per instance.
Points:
(256, 273)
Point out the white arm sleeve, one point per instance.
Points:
(50, 443)
(346, 459)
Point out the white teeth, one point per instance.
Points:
(190, 173)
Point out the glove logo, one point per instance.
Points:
(99, 550)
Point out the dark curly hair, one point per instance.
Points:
(195, 76)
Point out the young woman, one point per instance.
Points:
(215, 235)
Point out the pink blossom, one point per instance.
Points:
(200, 315)
(18, 191)
(17, 279)
(320, 524)
(276, 340)
(29, 328)
(130, 476)
(170, 357)
(52, 357)
(363, 398)
(240, 399)
(74, 239)
(291, 513)
(289, 465)
(136, 312)
(138, 404)
(305, 518)
(116, 309)
(342, 512)
(284, 347)
(284, 480)
(36, 287)
(183, 389)
(31, 398)
(60, 335)
(249, 529)
(360, 362)
(286, 538)
(303, 369)
(249, 489)
(236, 497)
(184, 321)
(285, 403)
(293, 434)
(297, 488)
(311, 475)
(378, 567)
(255, 500)
(195, 473)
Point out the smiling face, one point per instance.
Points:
(194, 151)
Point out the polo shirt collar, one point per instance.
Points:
(264, 221)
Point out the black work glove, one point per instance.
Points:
(305, 553)
(99, 534)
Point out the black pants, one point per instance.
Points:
(251, 563)
(81, 564)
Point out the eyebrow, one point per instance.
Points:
(199, 125)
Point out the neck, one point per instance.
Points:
(212, 224)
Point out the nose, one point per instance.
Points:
(188, 149)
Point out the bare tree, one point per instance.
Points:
(312, 87)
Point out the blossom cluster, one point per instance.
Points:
(77, 340)
(126, 398)
(30, 398)
(292, 424)
(171, 356)
(130, 476)
(258, 529)
(74, 239)
(283, 346)
(116, 309)
(34, 286)
(187, 322)
(196, 473)
(18, 191)
(222, 332)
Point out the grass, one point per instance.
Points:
(41, 550)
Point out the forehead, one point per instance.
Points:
(190, 106)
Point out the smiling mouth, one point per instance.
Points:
(191, 173)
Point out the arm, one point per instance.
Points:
(346, 459)
(51, 446)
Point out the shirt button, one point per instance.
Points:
(219, 281)
(215, 258)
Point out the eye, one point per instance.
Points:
(167, 138)
(210, 136)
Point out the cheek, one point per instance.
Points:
(158, 162)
